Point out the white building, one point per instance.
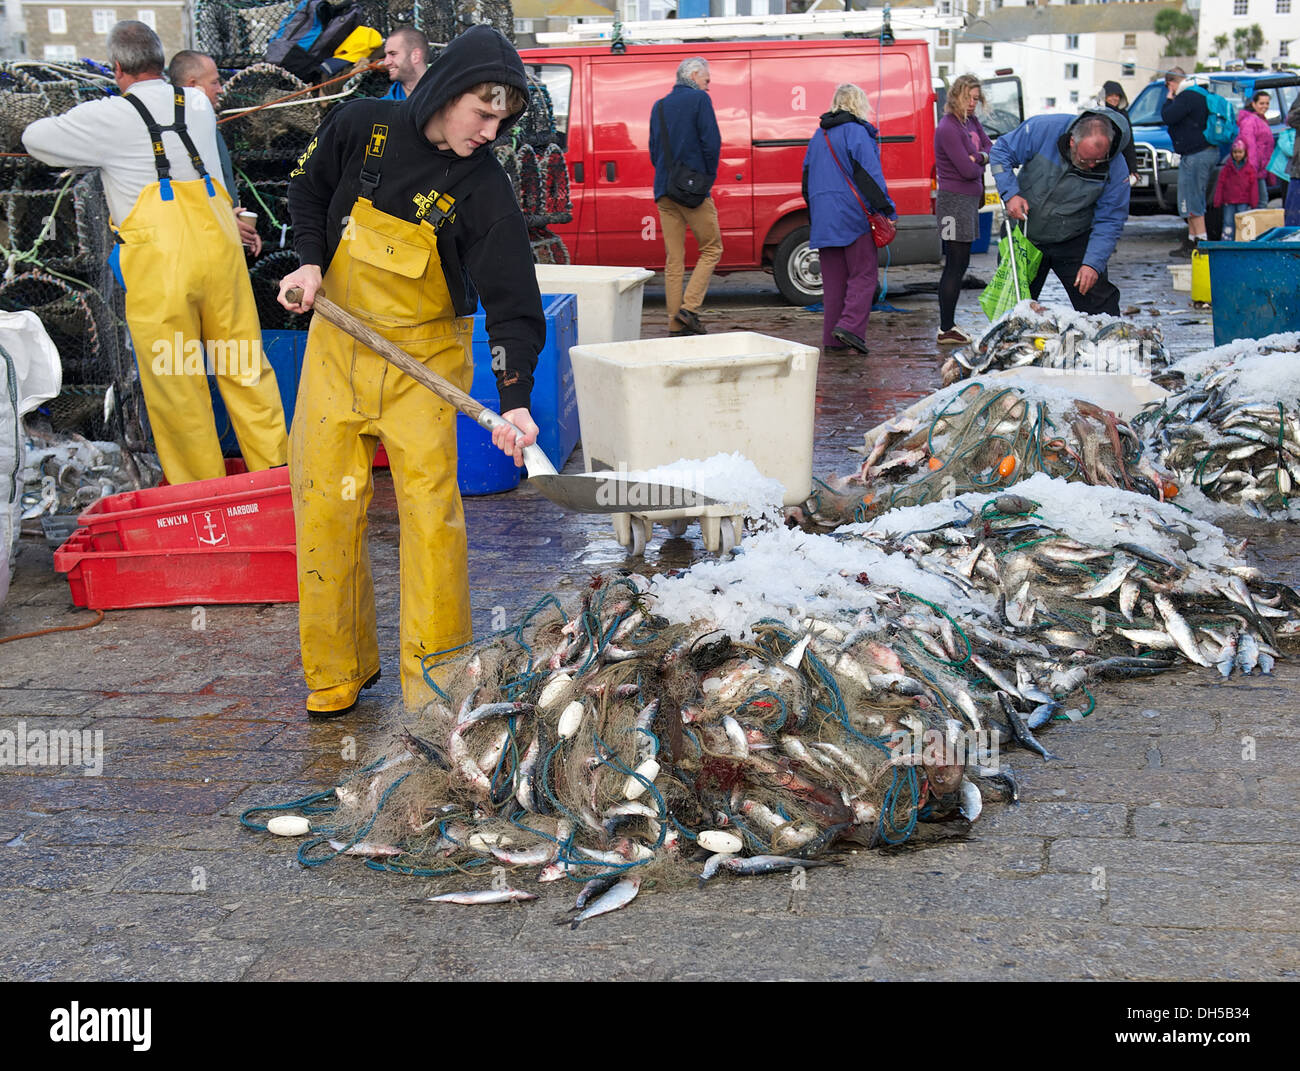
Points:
(1062, 52)
(1279, 19)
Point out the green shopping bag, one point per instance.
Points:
(1010, 283)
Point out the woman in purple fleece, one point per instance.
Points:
(961, 151)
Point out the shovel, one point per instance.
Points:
(592, 492)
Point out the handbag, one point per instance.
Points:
(687, 187)
(883, 229)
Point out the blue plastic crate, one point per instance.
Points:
(1256, 285)
(554, 403)
(482, 469)
(284, 350)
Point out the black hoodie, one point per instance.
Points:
(484, 249)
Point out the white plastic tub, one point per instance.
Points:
(656, 401)
(609, 299)
(1181, 277)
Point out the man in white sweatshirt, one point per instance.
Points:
(178, 255)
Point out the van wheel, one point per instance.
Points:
(798, 269)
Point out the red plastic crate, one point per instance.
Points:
(253, 509)
(118, 580)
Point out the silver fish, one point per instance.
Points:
(972, 803)
(372, 851)
(1227, 656)
(620, 895)
(1180, 630)
(1247, 653)
(1110, 582)
(483, 896)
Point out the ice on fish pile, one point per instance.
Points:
(1055, 336)
(1199, 365)
(726, 477)
(863, 686)
(1233, 436)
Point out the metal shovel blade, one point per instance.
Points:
(593, 492)
(612, 492)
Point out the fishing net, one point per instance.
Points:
(869, 701)
(1233, 435)
(980, 436)
(236, 34)
(78, 320)
(1058, 337)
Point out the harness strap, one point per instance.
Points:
(178, 127)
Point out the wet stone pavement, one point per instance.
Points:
(1155, 848)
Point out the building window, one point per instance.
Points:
(1074, 96)
(1049, 102)
(1072, 41)
(1241, 7)
(58, 20)
(1283, 49)
(146, 15)
(988, 51)
(943, 70)
(945, 38)
(61, 53)
(945, 7)
(1128, 70)
(103, 19)
(1283, 7)
(1130, 40)
(1071, 70)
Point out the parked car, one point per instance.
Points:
(1157, 184)
(768, 96)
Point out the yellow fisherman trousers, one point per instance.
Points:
(388, 274)
(187, 292)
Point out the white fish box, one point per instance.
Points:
(1123, 394)
(609, 299)
(650, 403)
(1181, 276)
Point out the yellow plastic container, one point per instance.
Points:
(1201, 277)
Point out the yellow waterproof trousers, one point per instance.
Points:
(387, 273)
(190, 310)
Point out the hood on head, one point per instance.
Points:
(830, 120)
(1119, 137)
(1109, 89)
(480, 54)
(1238, 143)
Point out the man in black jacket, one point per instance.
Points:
(405, 217)
(1185, 114)
(694, 141)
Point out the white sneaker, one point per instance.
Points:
(954, 336)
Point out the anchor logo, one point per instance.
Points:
(211, 527)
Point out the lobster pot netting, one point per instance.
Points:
(276, 133)
(265, 276)
(60, 224)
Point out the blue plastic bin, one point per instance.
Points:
(555, 397)
(1256, 285)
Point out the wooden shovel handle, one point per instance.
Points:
(392, 353)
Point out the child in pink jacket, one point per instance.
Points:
(1237, 187)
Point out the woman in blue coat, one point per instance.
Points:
(842, 179)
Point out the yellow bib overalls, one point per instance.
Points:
(386, 272)
(190, 310)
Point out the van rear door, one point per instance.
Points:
(623, 89)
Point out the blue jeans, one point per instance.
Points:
(1229, 215)
(1194, 173)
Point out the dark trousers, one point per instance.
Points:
(848, 287)
(1065, 259)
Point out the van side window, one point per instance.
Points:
(558, 80)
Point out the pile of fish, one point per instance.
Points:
(63, 472)
(750, 714)
(984, 435)
(1054, 336)
(1233, 435)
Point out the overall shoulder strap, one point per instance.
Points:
(372, 162)
(160, 161)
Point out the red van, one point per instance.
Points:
(767, 96)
